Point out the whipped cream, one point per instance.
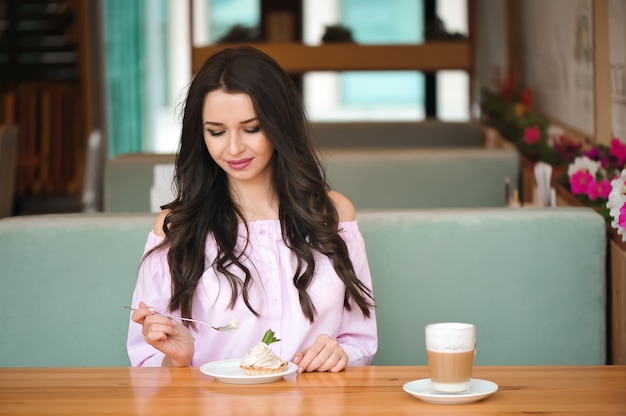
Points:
(261, 355)
(233, 325)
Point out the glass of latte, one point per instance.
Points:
(450, 347)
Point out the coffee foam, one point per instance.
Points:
(450, 337)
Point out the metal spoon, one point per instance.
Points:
(230, 326)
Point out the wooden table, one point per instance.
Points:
(358, 391)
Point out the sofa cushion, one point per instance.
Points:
(531, 280)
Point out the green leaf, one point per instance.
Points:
(269, 337)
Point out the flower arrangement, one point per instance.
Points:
(511, 112)
(590, 177)
(595, 177)
(616, 204)
(539, 143)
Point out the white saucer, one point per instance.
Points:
(228, 371)
(479, 389)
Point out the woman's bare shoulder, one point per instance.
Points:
(158, 223)
(345, 208)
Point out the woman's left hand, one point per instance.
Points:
(325, 354)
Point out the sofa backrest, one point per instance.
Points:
(65, 279)
(422, 178)
(398, 134)
(532, 280)
(128, 179)
(398, 178)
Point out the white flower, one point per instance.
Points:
(555, 131)
(583, 163)
(617, 199)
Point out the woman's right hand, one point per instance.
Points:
(166, 335)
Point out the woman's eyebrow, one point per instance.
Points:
(215, 123)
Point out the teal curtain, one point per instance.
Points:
(123, 27)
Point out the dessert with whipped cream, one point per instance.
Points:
(261, 360)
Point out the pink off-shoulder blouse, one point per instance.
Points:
(273, 296)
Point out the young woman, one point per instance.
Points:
(254, 234)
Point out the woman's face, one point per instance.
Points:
(234, 138)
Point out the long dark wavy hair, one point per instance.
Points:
(204, 206)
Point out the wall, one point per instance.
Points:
(491, 43)
(617, 51)
(571, 53)
(558, 65)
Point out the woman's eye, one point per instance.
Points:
(215, 133)
(254, 129)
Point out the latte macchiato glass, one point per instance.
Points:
(451, 348)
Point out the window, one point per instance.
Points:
(365, 95)
(453, 103)
(387, 95)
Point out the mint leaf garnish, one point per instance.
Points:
(269, 337)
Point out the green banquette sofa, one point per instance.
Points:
(378, 165)
(532, 280)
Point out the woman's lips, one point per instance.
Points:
(239, 164)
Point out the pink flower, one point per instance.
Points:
(600, 189)
(621, 221)
(579, 182)
(593, 153)
(618, 150)
(531, 134)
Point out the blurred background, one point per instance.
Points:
(86, 81)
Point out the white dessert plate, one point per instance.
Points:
(479, 389)
(228, 371)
